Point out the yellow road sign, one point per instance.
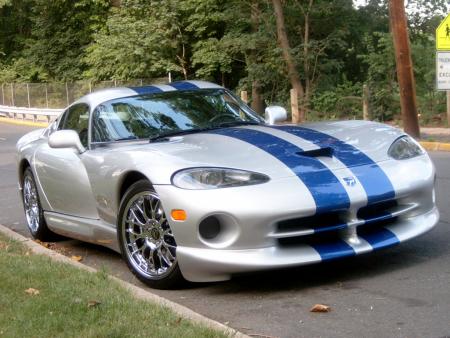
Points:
(443, 35)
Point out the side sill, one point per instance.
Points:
(84, 229)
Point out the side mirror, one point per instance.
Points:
(66, 139)
(274, 114)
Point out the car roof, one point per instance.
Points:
(100, 96)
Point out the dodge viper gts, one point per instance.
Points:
(188, 183)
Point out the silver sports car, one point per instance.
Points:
(188, 183)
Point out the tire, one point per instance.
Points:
(33, 211)
(145, 238)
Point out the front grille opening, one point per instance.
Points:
(316, 238)
(373, 227)
(376, 210)
(330, 237)
(316, 222)
(327, 226)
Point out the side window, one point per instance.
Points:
(61, 119)
(51, 128)
(77, 118)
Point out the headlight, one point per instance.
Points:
(214, 178)
(404, 147)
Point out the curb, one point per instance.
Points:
(435, 146)
(23, 122)
(136, 291)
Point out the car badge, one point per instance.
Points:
(350, 181)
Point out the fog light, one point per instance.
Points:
(178, 215)
(209, 228)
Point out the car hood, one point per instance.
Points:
(277, 151)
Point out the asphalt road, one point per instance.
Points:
(399, 292)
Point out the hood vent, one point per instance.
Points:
(322, 152)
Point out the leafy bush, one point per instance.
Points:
(344, 102)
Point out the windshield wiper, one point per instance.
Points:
(167, 135)
(235, 123)
(126, 138)
(164, 136)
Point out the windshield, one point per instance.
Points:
(149, 116)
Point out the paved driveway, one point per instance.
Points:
(399, 292)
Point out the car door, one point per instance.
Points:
(61, 172)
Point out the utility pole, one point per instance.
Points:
(405, 72)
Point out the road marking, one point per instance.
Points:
(2, 139)
(435, 146)
(23, 122)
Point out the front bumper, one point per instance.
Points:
(203, 265)
(251, 215)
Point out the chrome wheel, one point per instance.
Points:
(148, 240)
(31, 204)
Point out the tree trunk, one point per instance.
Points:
(306, 66)
(294, 77)
(257, 100)
(405, 73)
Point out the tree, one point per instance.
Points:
(293, 74)
(255, 19)
(327, 49)
(15, 29)
(131, 45)
(61, 31)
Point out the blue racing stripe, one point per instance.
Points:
(327, 191)
(374, 180)
(183, 85)
(330, 228)
(380, 238)
(338, 249)
(146, 90)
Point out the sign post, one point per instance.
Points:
(443, 60)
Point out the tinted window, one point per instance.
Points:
(145, 116)
(77, 118)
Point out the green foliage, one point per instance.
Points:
(345, 101)
(431, 103)
(22, 70)
(62, 29)
(15, 28)
(381, 76)
(232, 42)
(124, 49)
(51, 37)
(209, 57)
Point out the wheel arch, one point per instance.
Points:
(23, 165)
(127, 180)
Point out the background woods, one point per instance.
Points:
(326, 49)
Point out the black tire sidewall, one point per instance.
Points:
(42, 233)
(174, 278)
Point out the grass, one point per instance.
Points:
(76, 303)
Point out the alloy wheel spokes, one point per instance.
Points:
(150, 243)
(31, 204)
